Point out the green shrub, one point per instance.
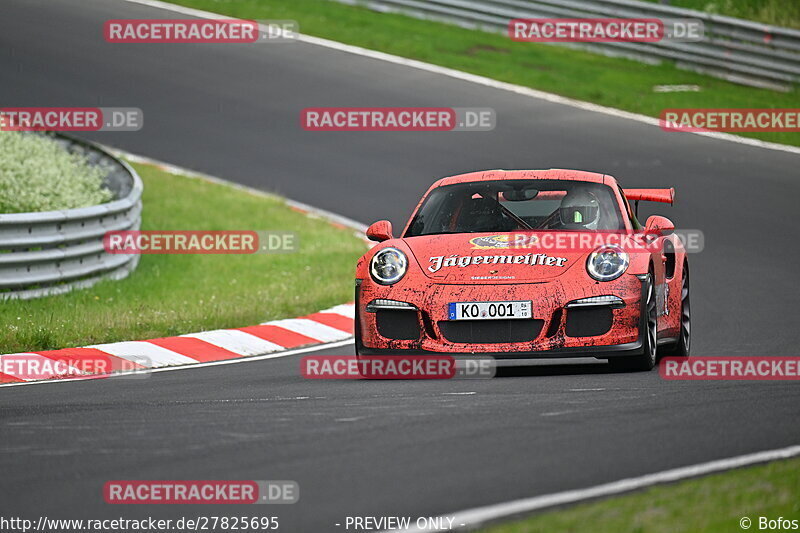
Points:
(38, 174)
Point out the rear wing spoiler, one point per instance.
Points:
(666, 196)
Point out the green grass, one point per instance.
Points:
(39, 174)
(712, 504)
(177, 294)
(613, 82)
(777, 12)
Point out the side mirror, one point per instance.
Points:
(658, 225)
(380, 231)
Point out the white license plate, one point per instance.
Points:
(489, 310)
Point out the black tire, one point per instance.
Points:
(647, 359)
(682, 347)
(359, 346)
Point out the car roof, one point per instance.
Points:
(551, 174)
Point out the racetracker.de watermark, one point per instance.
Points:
(397, 367)
(734, 368)
(692, 241)
(71, 119)
(398, 119)
(605, 30)
(219, 31)
(730, 120)
(200, 242)
(75, 363)
(200, 492)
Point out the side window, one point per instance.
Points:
(631, 216)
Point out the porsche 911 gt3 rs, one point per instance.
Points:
(525, 264)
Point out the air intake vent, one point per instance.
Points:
(490, 331)
(401, 325)
(589, 321)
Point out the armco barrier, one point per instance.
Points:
(57, 251)
(737, 50)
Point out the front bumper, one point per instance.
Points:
(554, 331)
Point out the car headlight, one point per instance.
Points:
(607, 263)
(388, 266)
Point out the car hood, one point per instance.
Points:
(490, 258)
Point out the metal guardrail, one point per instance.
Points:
(738, 50)
(57, 251)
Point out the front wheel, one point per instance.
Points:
(681, 348)
(647, 359)
(359, 346)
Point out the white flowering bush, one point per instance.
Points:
(38, 174)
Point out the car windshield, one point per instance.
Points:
(517, 205)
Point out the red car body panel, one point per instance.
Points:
(485, 267)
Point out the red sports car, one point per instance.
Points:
(527, 263)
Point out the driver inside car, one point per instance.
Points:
(579, 210)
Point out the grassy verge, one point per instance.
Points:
(778, 12)
(176, 294)
(712, 504)
(612, 82)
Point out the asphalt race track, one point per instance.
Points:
(391, 448)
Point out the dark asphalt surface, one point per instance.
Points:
(377, 448)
